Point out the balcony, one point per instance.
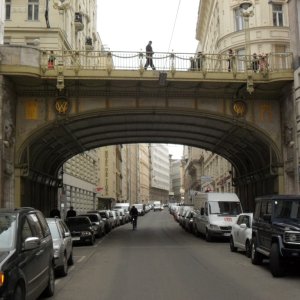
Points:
(89, 43)
(78, 22)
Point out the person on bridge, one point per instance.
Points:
(71, 212)
(149, 54)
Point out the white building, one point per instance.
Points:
(159, 172)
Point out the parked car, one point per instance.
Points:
(241, 234)
(26, 255)
(108, 222)
(62, 245)
(122, 215)
(188, 220)
(140, 208)
(98, 223)
(115, 215)
(276, 232)
(82, 230)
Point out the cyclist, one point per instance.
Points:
(134, 215)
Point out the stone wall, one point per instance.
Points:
(7, 142)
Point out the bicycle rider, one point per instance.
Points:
(134, 214)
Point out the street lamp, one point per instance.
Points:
(247, 12)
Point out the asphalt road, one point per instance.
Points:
(160, 261)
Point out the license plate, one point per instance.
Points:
(226, 234)
(76, 238)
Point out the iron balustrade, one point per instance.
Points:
(163, 61)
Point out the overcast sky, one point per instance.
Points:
(128, 25)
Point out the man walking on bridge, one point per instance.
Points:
(149, 54)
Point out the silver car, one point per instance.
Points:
(62, 245)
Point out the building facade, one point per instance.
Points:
(80, 178)
(144, 174)
(159, 173)
(2, 18)
(176, 181)
(110, 176)
(266, 27)
(206, 172)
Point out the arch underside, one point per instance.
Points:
(250, 151)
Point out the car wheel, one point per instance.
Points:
(92, 241)
(248, 248)
(276, 263)
(49, 291)
(71, 260)
(63, 270)
(256, 257)
(231, 244)
(19, 293)
(208, 236)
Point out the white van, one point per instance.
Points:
(215, 214)
(157, 206)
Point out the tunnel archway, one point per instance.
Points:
(254, 156)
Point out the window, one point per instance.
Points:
(239, 20)
(7, 9)
(277, 15)
(33, 10)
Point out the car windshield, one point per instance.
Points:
(77, 221)
(103, 215)
(287, 209)
(54, 230)
(7, 231)
(225, 208)
(93, 218)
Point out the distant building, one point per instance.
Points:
(176, 181)
(159, 172)
(144, 176)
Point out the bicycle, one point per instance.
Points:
(134, 222)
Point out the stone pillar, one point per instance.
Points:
(7, 143)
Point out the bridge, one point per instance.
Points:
(92, 99)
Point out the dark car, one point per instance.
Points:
(276, 232)
(98, 223)
(26, 255)
(82, 230)
(62, 245)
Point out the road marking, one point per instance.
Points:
(81, 259)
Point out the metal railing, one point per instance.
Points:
(119, 60)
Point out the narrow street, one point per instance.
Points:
(160, 261)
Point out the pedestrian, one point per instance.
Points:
(199, 61)
(71, 212)
(51, 60)
(254, 62)
(230, 55)
(149, 55)
(192, 64)
(55, 213)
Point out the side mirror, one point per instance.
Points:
(67, 234)
(32, 243)
(243, 226)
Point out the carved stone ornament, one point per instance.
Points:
(239, 108)
(62, 105)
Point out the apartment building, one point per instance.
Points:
(205, 171)
(176, 181)
(159, 172)
(56, 25)
(80, 180)
(110, 176)
(143, 174)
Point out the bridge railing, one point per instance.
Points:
(120, 60)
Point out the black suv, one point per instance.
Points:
(276, 231)
(26, 254)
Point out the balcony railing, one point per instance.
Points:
(119, 60)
